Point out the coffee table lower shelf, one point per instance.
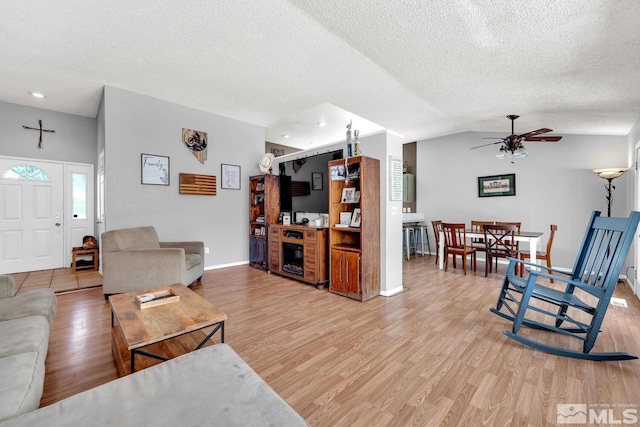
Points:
(170, 348)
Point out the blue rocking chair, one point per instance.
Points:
(586, 289)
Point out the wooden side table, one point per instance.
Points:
(79, 251)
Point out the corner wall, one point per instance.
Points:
(633, 202)
(136, 124)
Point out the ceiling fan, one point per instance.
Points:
(512, 146)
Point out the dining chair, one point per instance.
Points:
(437, 228)
(517, 224)
(542, 255)
(499, 242)
(455, 237)
(478, 242)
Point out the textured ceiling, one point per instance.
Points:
(421, 69)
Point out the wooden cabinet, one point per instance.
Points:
(345, 272)
(299, 252)
(264, 209)
(354, 192)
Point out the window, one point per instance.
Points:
(79, 196)
(26, 172)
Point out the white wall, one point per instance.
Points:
(633, 202)
(554, 185)
(74, 139)
(136, 124)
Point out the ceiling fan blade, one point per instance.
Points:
(486, 145)
(544, 138)
(535, 132)
(493, 137)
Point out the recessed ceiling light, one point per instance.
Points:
(286, 135)
(322, 124)
(37, 94)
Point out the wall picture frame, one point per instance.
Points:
(497, 185)
(154, 169)
(316, 180)
(230, 177)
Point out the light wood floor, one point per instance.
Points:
(432, 355)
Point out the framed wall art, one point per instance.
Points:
(155, 169)
(316, 180)
(497, 185)
(230, 175)
(196, 141)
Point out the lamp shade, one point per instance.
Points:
(610, 173)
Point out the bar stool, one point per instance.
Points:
(420, 235)
(408, 240)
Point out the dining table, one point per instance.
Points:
(532, 237)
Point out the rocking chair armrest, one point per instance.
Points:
(590, 289)
(531, 264)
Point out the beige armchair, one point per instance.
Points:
(134, 259)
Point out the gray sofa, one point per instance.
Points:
(25, 325)
(212, 386)
(133, 259)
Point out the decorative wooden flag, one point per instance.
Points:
(196, 142)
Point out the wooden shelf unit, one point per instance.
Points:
(355, 251)
(264, 209)
(313, 266)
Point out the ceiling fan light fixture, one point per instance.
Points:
(512, 147)
(520, 152)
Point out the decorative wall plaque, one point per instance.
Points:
(196, 141)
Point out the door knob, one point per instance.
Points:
(57, 224)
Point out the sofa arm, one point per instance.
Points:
(189, 247)
(139, 269)
(7, 286)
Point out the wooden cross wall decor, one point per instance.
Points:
(41, 130)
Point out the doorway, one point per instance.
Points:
(46, 207)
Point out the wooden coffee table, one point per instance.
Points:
(164, 331)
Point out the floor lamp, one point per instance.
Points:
(609, 174)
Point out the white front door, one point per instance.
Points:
(31, 215)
